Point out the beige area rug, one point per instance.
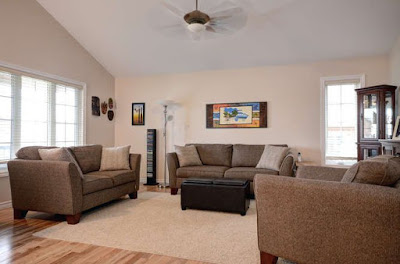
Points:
(155, 223)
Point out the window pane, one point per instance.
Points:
(5, 84)
(60, 95)
(70, 132)
(5, 151)
(60, 132)
(70, 97)
(5, 107)
(5, 131)
(341, 124)
(70, 114)
(60, 114)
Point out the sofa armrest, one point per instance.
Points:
(173, 165)
(134, 162)
(309, 221)
(287, 166)
(320, 173)
(46, 186)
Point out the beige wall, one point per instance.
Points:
(32, 38)
(395, 67)
(292, 93)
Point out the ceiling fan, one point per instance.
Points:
(215, 18)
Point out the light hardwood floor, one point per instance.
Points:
(18, 245)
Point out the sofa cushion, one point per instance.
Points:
(60, 154)
(246, 155)
(95, 183)
(88, 157)
(215, 154)
(116, 158)
(30, 153)
(382, 170)
(204, 171)
(247, 173)
(118, 177)
(188, 156)
(272, 157)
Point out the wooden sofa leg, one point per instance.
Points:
(73, 219)
(267, 258)
(19, 214)
(174, 191)
(133, 195)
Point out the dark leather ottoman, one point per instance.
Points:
(219, 195)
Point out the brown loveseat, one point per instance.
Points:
(224, 161)
(315, 218)
(58, 187)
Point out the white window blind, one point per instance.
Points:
(341, 122)
(35, 110)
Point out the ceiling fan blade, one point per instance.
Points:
(263, 8)
(173, 9)
(210, 29)
(211, 7)
(227, 12)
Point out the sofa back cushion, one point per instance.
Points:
(248, 155)
(382, 170)
(215, 154)
(30, 153)
(88, 157)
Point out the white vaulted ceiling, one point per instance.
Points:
(118, 33)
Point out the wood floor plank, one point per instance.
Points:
(19, 246)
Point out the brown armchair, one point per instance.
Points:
(308, 220)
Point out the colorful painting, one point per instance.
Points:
(138, 114)
(95, 106)
(237, 115)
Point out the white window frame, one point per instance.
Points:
(323, 83)
(55, 78)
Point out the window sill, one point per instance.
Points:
(4, 174)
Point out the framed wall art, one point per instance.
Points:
(138, 114)
(95, 106)
(237, 115)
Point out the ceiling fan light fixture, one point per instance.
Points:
(196, 27)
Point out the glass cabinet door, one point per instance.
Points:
(388, 115)
(370, 116)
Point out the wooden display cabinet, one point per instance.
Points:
(376, 117)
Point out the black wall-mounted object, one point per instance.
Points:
(151, 157)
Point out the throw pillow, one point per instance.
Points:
(59, 154)
(272, 157)
(188, 156)
(382, 170)
(116, 158)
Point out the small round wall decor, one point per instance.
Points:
(110, 103)
(104, 108)
(110, 115)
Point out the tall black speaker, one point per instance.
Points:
(151, 157)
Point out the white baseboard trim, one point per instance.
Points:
(6, 204)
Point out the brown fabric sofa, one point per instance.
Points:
(315, 218)
(58, 187)
(224, 161)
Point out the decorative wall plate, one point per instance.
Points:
(110, 103)
(110, 115)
